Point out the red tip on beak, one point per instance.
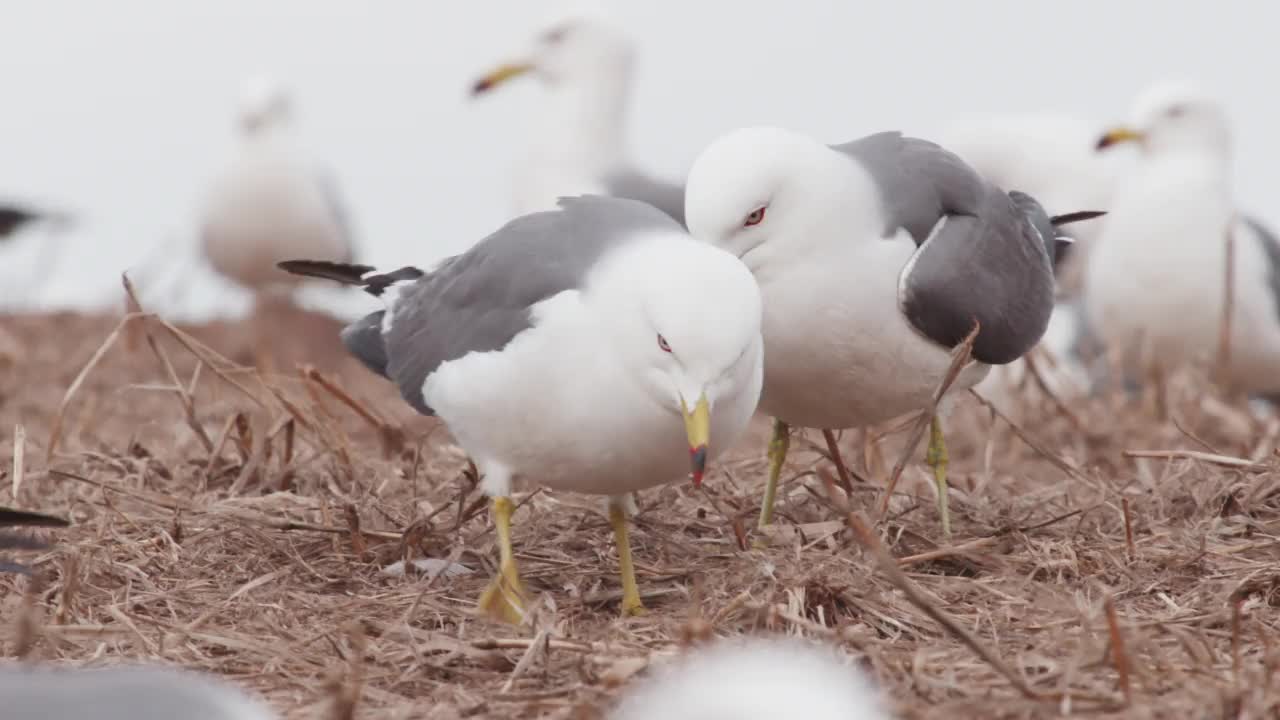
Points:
(698, 458)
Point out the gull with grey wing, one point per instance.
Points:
(875, 259)
(553, 339)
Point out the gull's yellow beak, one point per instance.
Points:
(1118, 135)
(499, 75)
(697, 423)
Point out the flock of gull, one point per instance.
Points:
(622, 330)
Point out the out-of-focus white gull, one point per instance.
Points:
(762, 678)
(1155, 286)
(565, 350)
(577, 141)
(273, 202)
(123, 693)
(875, 259)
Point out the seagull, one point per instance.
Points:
(272, 202)
(565, 350)
(123, 693)
(584, 62)
(760, 678)
(11, 517)
(1155, 286)
(875, 258)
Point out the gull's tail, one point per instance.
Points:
(1056, 243)
(363, 338)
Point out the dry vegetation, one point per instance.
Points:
(243, 526)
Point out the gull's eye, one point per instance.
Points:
(555, 35)
(1176, 111)
(754, 218)
(663, 345)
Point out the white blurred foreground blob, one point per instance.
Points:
(758, 678)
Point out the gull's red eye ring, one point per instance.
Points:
(662, 344)
(754, 218)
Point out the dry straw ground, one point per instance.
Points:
(243, 526)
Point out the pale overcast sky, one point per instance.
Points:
(121, 110)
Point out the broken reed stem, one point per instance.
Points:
(1228, 304)
(1223, 460)
(55, 432)
(1128, 529)
(1033, 369)
(1118, 654)
(960, 357)
(537, 647)
(834, 449)
(188, 404)
(888, 566)
(1236, 666)
(19, 458)
(344, 397)
(1055, 459)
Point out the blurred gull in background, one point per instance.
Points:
(1049, 156)
(272, 202)
(1155, 285)
(577, 143)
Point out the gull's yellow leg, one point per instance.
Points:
(937, 459)
(778, 445)
(504, 599)
(631, 604)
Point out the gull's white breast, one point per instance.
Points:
(838, 351)
(558, 408)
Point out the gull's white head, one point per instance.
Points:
(688, 324)
(265, 103)
(1174, 117)
(576, 48)
(754, 679)
(759, 184)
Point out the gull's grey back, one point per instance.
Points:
(983, 263)
(126, 693)
(918, 180)
(480, 300)
(667, 197)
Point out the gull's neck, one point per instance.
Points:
(579, 135)
(1205, 171)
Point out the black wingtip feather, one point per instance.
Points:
(1074, 217)
(350, 274)
(10, 517)
(345, 273)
